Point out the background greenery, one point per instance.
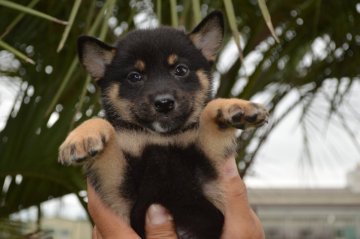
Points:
(54, 94)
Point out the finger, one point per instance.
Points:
(108, 224)
(240, 219)
(159, 223)
(95, 234)
(234, 187)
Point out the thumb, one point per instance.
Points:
(240, 219)
(234, 187)
(159, 223)
(235, 193)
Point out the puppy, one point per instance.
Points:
(164, 137)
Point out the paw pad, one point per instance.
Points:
(241, 115)
(78, 149)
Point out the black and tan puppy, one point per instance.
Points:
(164, 138)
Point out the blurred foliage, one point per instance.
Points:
(319, 40)
(15, 229)
(10, 229)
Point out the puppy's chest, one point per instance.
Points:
(135, 143)
(176, 169)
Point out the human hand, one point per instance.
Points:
(240, 219)
(159, 223)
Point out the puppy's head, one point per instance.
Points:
(158, 79)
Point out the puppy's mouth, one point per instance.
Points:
(164, 123)
(162, 128)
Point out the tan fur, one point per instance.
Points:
(197, 40)
(214, 194)
(109, 160)
(140, 65)
(121, 105)
(172, 59)
(204, 80)
(96, 68)
(216, 142)
(211, 138)
(136, 141)
(111, 163)
(93, 129)
(200, 96)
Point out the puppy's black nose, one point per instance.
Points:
(164, 103)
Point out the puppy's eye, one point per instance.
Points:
(134, 77)
(181, 70)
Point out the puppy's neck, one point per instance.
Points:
(122, 125)
(133, 139)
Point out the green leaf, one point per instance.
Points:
(17, 53)
(109, 11)
(17, 19)
(233, 26)
(266, 15)
(31, 11)
(196, 10)
(174, 17)
(62, 87)
(69, 25)
(158, 9)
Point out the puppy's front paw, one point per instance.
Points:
(86, 141)
(240, 114)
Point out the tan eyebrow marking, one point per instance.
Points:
(140, 65)
(172, 59)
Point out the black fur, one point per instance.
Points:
(153, 47)
(172, 176)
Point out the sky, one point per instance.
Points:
(280, 162)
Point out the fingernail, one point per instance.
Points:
(230, 168)
(158, 215)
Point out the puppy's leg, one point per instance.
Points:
(95, 144)
(86, 141)
(218, 123)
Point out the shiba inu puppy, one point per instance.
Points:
(164, 137)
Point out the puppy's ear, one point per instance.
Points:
(208, 35)
(95, 55)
